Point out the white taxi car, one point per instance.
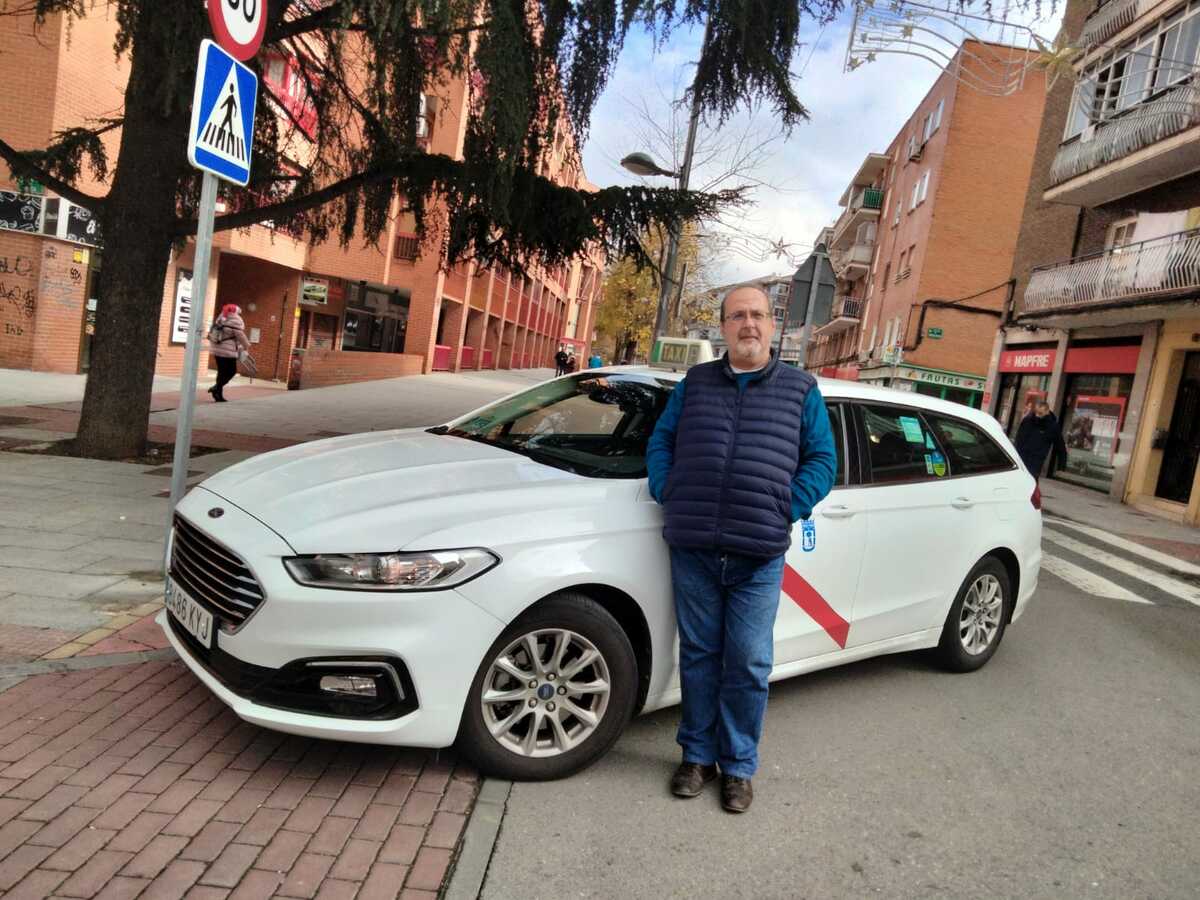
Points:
(501, 581)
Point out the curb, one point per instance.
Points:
(75, 663)
(479, 840)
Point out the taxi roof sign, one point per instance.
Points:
(680, 354)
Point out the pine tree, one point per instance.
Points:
(365, 64)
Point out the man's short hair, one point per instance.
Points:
(745, 287)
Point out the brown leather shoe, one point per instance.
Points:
(689, 779)
(736, 793)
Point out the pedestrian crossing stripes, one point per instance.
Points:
(223, 140)
(1102, 564)
(1088, 582)
(1163, 559)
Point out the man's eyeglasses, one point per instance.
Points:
(755, 315)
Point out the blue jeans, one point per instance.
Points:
(725, 605)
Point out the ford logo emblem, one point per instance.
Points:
(216, 512)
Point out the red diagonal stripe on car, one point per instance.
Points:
(805, 596)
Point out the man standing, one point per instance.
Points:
(560, 362)
(743, 450)
(1036, 436)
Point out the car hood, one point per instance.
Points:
(384, 490)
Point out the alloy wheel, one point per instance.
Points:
(545, 693)
(982, 607)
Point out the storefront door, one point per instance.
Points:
(1183, 439)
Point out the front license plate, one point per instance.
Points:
(191, 615)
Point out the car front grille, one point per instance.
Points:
(213, 574)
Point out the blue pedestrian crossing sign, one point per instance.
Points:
(222, 134)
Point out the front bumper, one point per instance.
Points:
(434, 641)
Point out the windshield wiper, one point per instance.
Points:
(545, 457)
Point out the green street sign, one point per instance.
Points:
(934, 333)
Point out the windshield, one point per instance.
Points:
(594, 425)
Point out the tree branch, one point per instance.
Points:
(21, 166)
(247, 217)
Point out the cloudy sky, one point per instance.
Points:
(800, 178)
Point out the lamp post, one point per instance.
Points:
(643, 164)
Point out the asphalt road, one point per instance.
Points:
(1069, 766)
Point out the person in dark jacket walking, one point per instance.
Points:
(560, 362)
(742, 451)
(1037, 434)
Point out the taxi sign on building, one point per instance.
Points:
(222, 132)
(239, 25)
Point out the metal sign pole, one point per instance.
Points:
(191, 357)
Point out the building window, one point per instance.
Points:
(927, 130)
(937, 114)
(1120, 234)
(407, 246)
(923, 186)
(915, 198)
(1160, 59)
(887, 276)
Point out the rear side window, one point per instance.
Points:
(836, 412)
(899, 446)
(971, 451)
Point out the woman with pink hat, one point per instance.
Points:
(227, 342)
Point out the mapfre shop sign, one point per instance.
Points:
(1040, 360)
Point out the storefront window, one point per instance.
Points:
(1018, 393)
(1093, 415)
(376, 320)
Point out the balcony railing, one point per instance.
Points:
(847, 308)
(1140, 126)
(1158, 267)
(1109, 18)
(870, 199)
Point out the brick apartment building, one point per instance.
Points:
(343, 314)
(926, 226)
(1105, 323)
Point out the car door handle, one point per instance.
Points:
(962, 502)
(838, 512)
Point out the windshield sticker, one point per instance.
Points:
(928, 464)
(912, 430)
(938, 462)
(808, 532)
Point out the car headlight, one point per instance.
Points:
(391, 571)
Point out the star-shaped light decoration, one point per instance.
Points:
(1057, 58)
(906, 31)
(871, 56)
(779, 248)
(853, 63)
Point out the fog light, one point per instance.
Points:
(349, 685)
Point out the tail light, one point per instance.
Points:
(1036, 499)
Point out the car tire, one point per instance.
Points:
(571, 728)
(977, 619)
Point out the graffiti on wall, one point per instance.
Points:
(17, 296)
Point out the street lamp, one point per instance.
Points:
(643, 164)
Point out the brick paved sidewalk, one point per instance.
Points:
(135, 781)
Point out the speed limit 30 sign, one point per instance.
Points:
(238, 25)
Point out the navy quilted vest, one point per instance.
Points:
(735, 457)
